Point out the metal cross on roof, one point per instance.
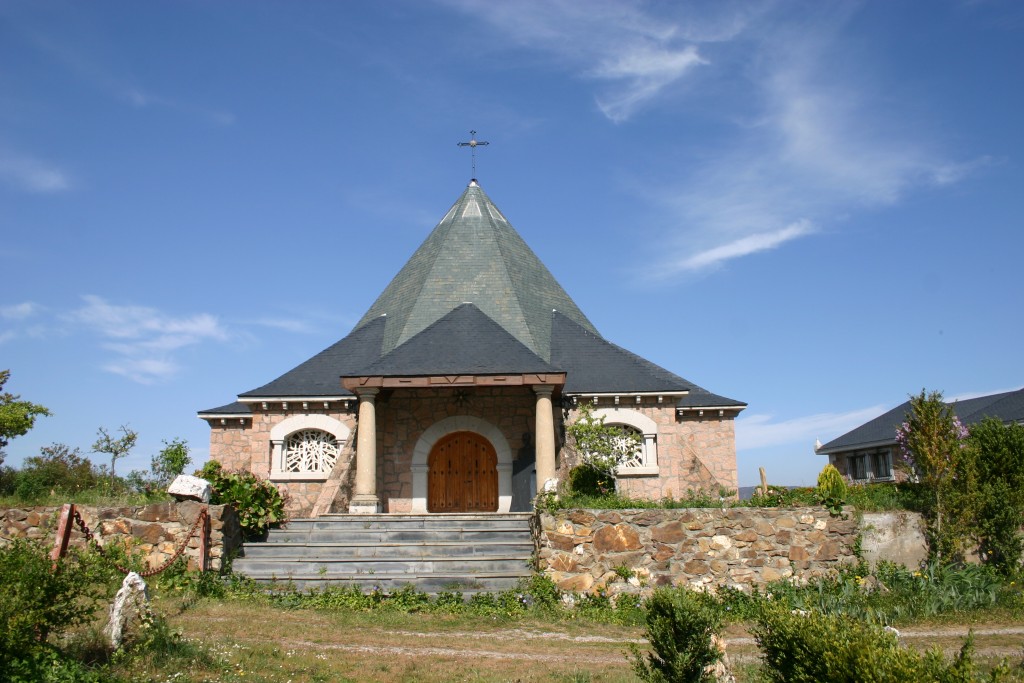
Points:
(473, 144)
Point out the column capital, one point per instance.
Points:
(368, 393)
(543, 389)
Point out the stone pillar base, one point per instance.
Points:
(364, 505)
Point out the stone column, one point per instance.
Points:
(545, 438)
(364, 499)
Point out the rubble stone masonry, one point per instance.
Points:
(639, 550)
(156, 530)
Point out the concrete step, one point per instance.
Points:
(429, 583)
(345, 535)
(431, 552)
(391, 550)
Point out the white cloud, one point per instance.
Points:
(144, 338)
(637, 54)
(759, 430)
(743, 246)
(19, 311)
(812, 145)
(32, 175)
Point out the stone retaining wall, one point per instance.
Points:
(637, 550)
(156, 530)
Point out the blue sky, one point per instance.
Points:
(811, 207)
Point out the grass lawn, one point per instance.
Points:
(252, 641)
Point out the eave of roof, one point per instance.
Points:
(881, 431)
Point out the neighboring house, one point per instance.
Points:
(868, 452)
(452, 392)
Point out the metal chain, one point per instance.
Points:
(90, 538)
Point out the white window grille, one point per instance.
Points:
(633, 449)
(310, 451)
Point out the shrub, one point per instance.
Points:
(258, 502)
(56, 468)
(679, 629)
(812, 647)
(831, 490)
(38, 601)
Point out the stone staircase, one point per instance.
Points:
(469, 553)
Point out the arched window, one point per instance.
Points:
(306, 447)
(626, 445)
(310, 451)
(645, 462)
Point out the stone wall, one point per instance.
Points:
(156, 530)
(638, 550)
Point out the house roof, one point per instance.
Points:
(463, 342)
(881, 431)
(321, 374)
(474, 299)
(595, 365)
(474, 254)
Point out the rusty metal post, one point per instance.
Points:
(64, 526)
(204, 538)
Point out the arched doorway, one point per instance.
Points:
(462, 474)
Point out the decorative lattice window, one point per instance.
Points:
(632, 448)
(310, 451)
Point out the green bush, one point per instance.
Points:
(812, 647)
(585, 480)
(38, 602)
(679, 629)
(57, 468)
(258, 502)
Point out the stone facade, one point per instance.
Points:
(638, 550)
(693, 453)
(156, 531)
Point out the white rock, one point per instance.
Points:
(551, 486)
(129, 611)
(190, 488)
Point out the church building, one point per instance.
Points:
(452, 393)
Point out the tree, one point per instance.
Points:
(996, 452)
(56, 468)
(115, 448)
(170, 462)
(932, 442)
(601, 447)
(16, 416)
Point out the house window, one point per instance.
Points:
(633, 449)
(310, 451)
(644, 463)
(870, 466)
(858, 467)
(882, 461)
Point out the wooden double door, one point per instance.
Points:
(462, 474)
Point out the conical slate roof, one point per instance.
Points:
(475, 300)
(474, 256)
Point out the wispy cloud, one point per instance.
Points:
(106, 76)
(32, 175)
(144, 338)
(743, 246)
(634, 54)
(19, 311)
(809, 146)
(761, 430)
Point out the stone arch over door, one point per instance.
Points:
(450, 425)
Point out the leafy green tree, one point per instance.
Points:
(932, 445)
(997, 478)
(170, 462)
(601, 447)
(115, 448)
(16, 416)
(57, 467)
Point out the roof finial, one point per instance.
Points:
(473, 144)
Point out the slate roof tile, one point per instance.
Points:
(1007, 406)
